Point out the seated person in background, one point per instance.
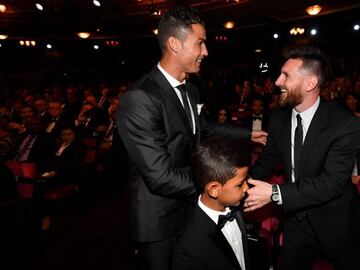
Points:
(56, 120)
(209, 240)
(223, 116)
(64, 166)
(90, 121)
(258, 120)
(8, 189)
(33, 145)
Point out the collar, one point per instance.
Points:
(307, 115)
(213, 214)
(173, 82)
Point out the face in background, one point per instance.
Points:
(222, 116)
(26, 113)
(67, 135)
(257, 106)
(233, 191)
(41, 105)
(291, 82)
(192, 49)
(352, 102)
(55, 109)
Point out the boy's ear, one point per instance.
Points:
(213, 189)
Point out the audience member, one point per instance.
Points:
(8, 190)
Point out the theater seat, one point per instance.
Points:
(321, 264)
(25, 174)
(67, 190)
(61, 192)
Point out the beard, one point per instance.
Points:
(290, 99)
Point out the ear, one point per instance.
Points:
(311, 83)
(174, 44)
(213, 189)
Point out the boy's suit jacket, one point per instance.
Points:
(204, 247)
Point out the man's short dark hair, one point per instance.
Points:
(314, 60)
(178, 23)
(217, 159)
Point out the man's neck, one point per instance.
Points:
(307, 103)
(171, 68)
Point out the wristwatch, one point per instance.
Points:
(275, 196)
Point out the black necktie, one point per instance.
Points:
(183, 88)
(225, 218)
(298, 142)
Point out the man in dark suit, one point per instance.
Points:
(317, 143)
(210, 242)
(258, 120)
(158, 121)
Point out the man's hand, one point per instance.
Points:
(258, 195)
(259, 137)
(355, 179)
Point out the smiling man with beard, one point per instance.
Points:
(317, 143)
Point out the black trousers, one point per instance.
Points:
(301, 248)
(156, 255)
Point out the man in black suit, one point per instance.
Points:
(258, 120)
(158, 121)
(210, 242)
(317, 143)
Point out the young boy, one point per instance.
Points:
(209, 241)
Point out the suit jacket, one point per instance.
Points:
(203, 247)
(248, 122)
(69, 164)
(158, 138)
(323, 189)
(41, 149)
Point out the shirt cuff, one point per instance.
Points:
(280, 197)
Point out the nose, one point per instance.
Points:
(246, 186)
(279, 81)
(204, 50)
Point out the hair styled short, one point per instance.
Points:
(314, 61)
(178, 23)
(217, 159)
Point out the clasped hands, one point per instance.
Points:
(258, 195)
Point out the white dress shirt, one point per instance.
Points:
(174, 83)
(230, 230)
(306, 118)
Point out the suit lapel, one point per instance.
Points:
(224, 246)
(193, 100)
(287, 141)
(317, 123)
(241, 223)
(169, 93)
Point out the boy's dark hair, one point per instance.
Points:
(177, 22)
(314, 60)
(217, 159)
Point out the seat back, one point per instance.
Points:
(91, 149)
(25, 174)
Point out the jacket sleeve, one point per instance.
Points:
(140, 126)
(211, 128)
